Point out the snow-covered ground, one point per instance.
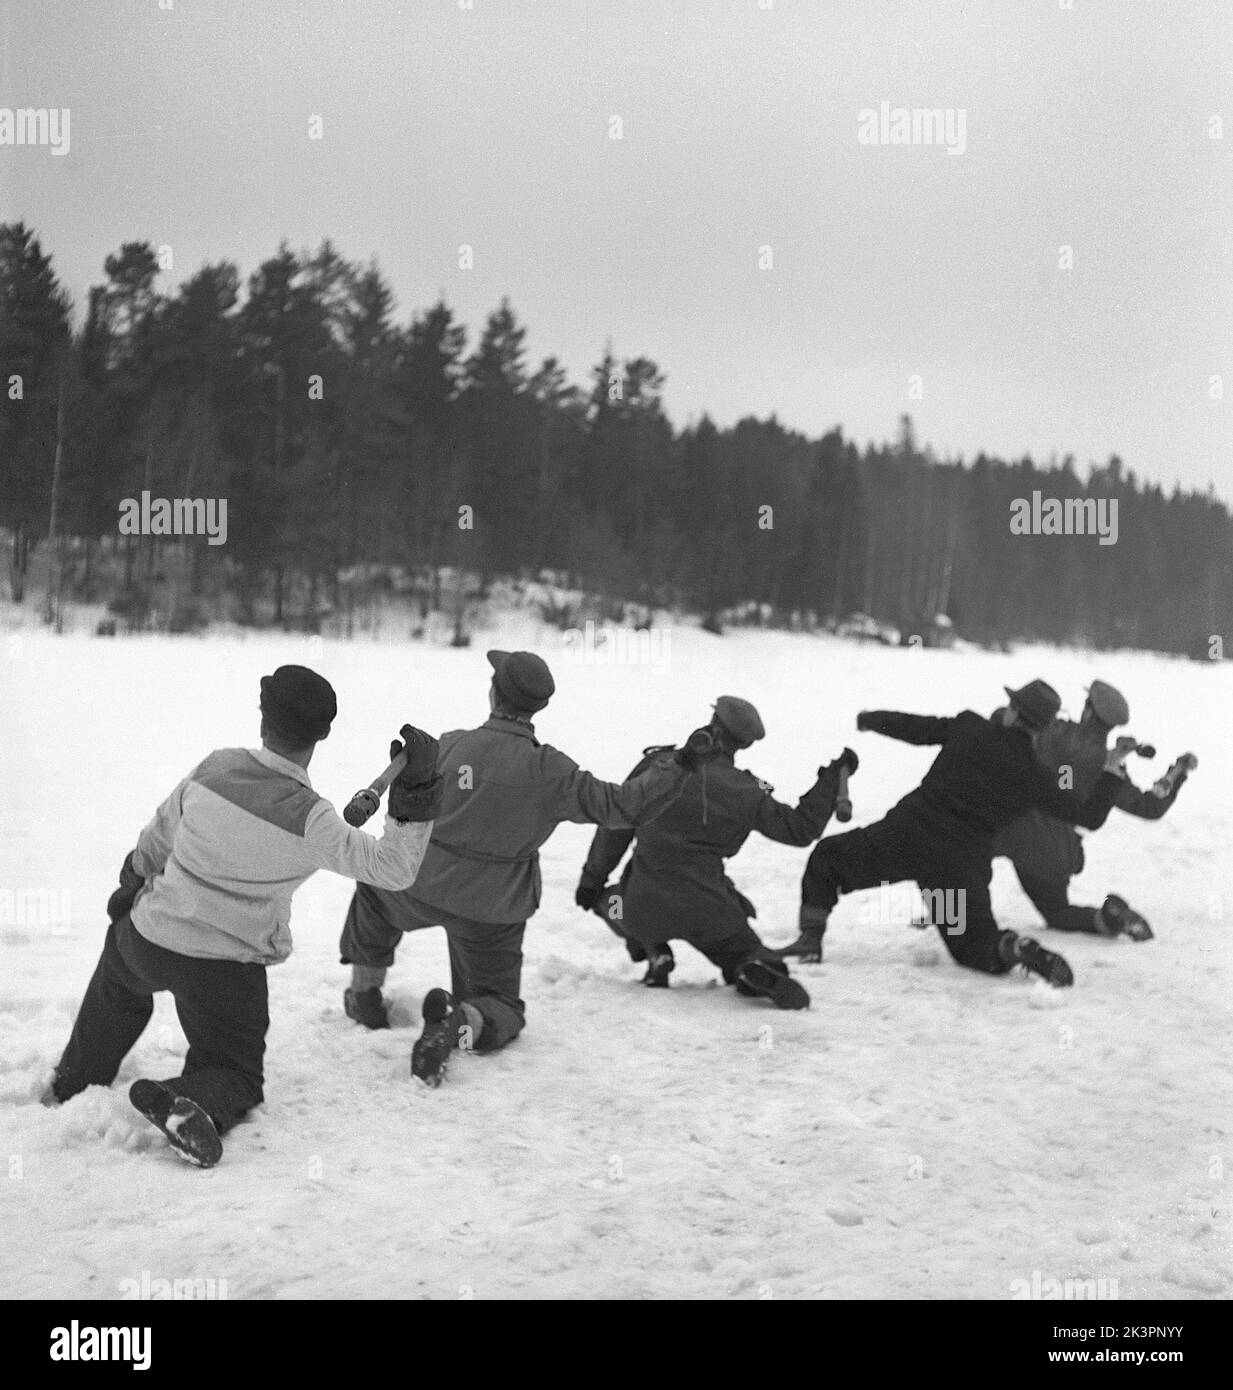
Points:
(921, 1131)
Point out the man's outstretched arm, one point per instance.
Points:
(1146, 805)
(803, 823)
(581, 797)
(907, 728)
(608, 848)
(1091, 813)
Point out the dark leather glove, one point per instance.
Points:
(416, 803)
(586, 895)
(421, 750)
(121, 901)
(862, 721)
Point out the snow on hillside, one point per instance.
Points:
(921, 1131)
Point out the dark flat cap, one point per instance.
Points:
(299, 702)
(1109, 703)
(522, 679)
(740, 719)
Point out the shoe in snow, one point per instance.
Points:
(443, 1023)
(1122, 920)
(1051, 967)
(367, 1007)
(807, 948)
(660, 963)
(188, 1128)
(770, 980)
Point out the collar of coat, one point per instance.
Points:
(267, 757)
(520, 728)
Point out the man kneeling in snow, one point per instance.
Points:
(204, 904)
(674, 887)
(1048, 852)
(941, 834)
(505, 793)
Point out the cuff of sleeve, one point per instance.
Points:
(417, 803)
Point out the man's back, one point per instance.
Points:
(713, 816)
(505, 793)
(226, 850)
(709, 822)
(986, 775)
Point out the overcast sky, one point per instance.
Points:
(490, 126)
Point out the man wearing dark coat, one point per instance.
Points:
(674, 887)
(504, 794)
(1047, 852)
(941, 834)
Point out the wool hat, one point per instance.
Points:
(299, 702)
(1037, 703)
(522, 680)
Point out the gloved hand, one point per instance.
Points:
(416, 802)
(846, 759)
(1115, 759)
(586, 895)
(131, 883)
(862, 721)
(421, 750)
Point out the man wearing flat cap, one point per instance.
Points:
(204, 906)
(674, 887)
(1047, 852)
(505, 793)
(941, 834)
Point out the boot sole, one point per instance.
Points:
(1050, 967)
(782, 990)
(431, 1052)
(1128, 922)
(186, 1127)
(426, 1068)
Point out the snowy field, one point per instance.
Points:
(920, 1132)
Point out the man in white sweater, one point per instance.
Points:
(204, 906)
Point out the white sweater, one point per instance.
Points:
(235, 839)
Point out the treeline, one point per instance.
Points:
(347, 442)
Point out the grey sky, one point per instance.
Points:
(490, 126)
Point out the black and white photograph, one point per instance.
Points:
(615, 654)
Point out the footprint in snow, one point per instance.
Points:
(845, 1216)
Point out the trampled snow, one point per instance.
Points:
(920, 1131)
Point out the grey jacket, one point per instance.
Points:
(505, 793)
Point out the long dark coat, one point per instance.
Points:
(674, 887)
